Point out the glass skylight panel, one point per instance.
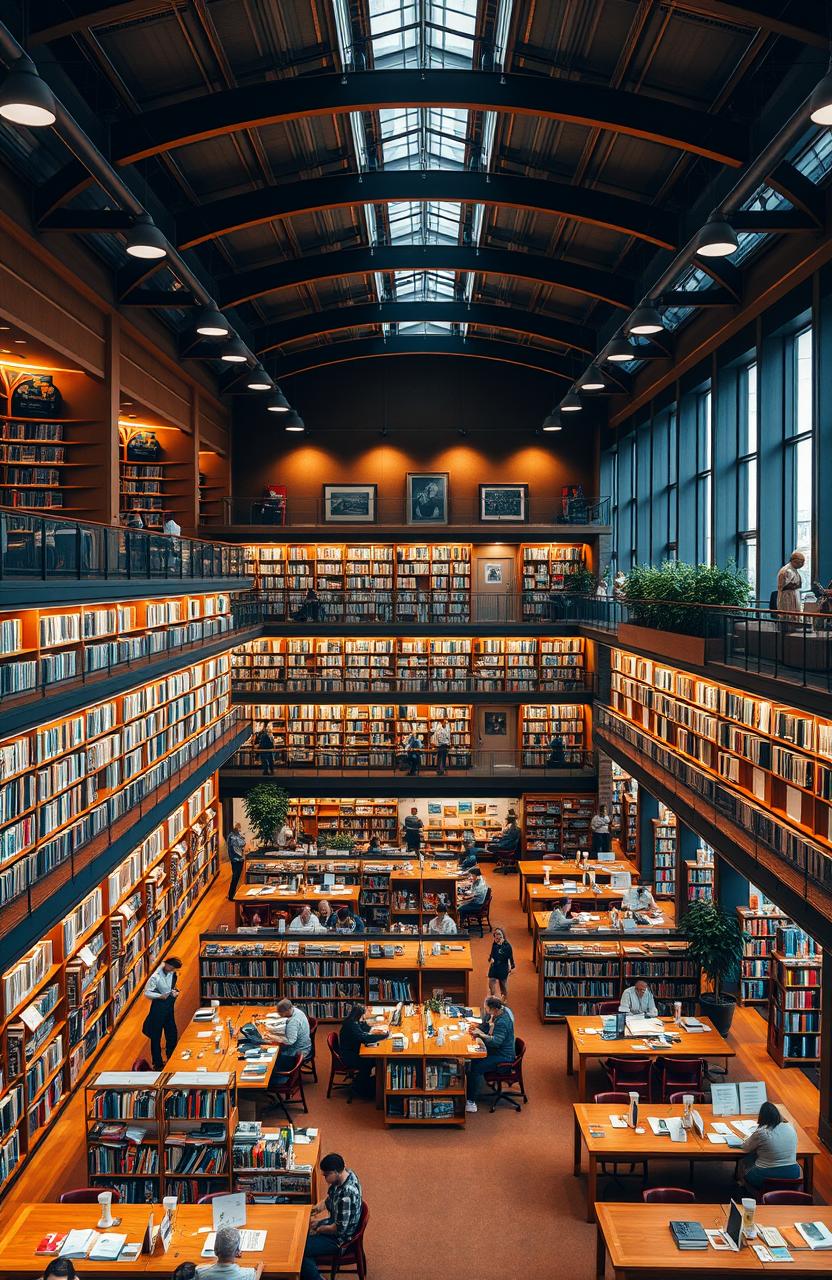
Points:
(748, 242)
(424, 286)
(423, 328)
(394, 32)
(450, 31)
(447, 128)
(814, 158)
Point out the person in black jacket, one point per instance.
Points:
(353, 1034)
(501, 960)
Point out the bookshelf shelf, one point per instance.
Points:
(556, 823)
(34, 457)
(540, 723)
(164, 483)
(547, 568)
(794, 1014)
(665, 847)
(762, 925)
(574, 977)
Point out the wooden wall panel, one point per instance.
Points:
(47, 307)
(154, 384)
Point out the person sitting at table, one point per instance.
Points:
(470, 858)
(347, 922)
(374, 846)
(772, 1147)
(63, 1269)
(473, 896)
(325, 914)
(508, 841)
(560, 917)
(353, 1034)
(639, 898)
(496, 1033)
(306, 921)
(334, 1220)
(442, 922)
(227, 1248)
(638, 999)
(185, 1271)
(294, 1035)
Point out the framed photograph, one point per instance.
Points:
(350, 503)
(504, 502)
(495, 723)
(427, 497)
(493, 574)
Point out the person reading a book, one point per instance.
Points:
(160, 990)
(441, 922)
(496, 1033)
(354, 1033)
(306, 922)
(326, 915)
(560, 917)
(638, 999)
(227, 1250)
(335, 1219)
(772, 1148)
(639, 898)
(347, 922)
(294, 1037)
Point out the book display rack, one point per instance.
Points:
(794, 1012)
(761, 923)
(556, 823)
(199, 1118)
(575, 976)
(47, 463)
(539, 724)
(152, 486)
(547, 568)
(214, 486)
(665, 842)
(51, 646)
(61, 1000)
(67, 780)
(376, 665)
(698, 882)
(319, 819)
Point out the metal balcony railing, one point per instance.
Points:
(282, 686)
(380, 761)
(297, 513)
(445, 608)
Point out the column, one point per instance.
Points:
(648, 809)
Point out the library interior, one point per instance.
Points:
(433, 806)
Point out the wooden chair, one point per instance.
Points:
(351, 1257)
(780, 1184)
(480, 917)
(309, 1067)
(605, 1007)
(681, 1075)
(508, 1073)
(286, 1088)
(632, 1075)
(87, 1195)
(340, 1075)
(787, 1197)
(668, 1195)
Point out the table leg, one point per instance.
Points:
(809, 1172)
(576, 1155)
(600, 1253)
(591, 1187)
(569, 1067)
(582, 1078)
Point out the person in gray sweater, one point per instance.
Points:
(496, 1032)
(772, 1147)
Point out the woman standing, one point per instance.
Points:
(501, 958)
(789, 584)
(772, 1147)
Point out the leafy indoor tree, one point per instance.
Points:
(266, 807)
(715, 942)
(665, 596)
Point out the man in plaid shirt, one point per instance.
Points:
(334, 1220)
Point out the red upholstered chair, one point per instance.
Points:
(87, 1195)
(787, 1197)
(351, 1257)
(781, 1184)
(340, 1075)
(610, 1099)
(668, 1195)
(631, 1074)
(309, 1067)
(605, 1007)
(142, 1064)
(286, 1087)
(481, 917)
(681, 1075)
(505, 1074)
(212, 1195)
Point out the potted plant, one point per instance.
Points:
(341, 840)
(267, 807)
(715, 942)
(668, 598)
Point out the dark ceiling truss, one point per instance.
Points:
(566, 333)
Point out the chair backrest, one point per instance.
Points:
(334, 1048)
(142, 1064)
(87, 1195)
(486, 906)
(692, 1067)
(288, 1077)
(781, 1184)
(313, 1027)
(361, 1228)
(607, 1006)
(630, 1068)
(668, 1195)
(677, 1099)
(613, 1097)
(519, 1049)
(787, 1197)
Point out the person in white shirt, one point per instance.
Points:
(442, 922)
(306, 922)
(441, 739)
(600, 827)
(285, 837)
(638, 999)
(227, 1249)
(160, 990)
(639, 898)
(171, 528)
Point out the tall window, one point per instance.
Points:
(747, 472)
(799, 427)
(704, 479)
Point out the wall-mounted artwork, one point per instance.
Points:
(350, 503)
(504, 503)
(427, 497)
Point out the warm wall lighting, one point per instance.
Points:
(717, 239)
(644, 321)
(145, 240)
(25, 98)
(26, 367)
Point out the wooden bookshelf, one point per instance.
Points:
(546, 568)
(122, 1111)
(324, 817)
(266, 1164)
(574, 976)
(755, 973)
(214, 487)
(193, 1105)
(61, 1001)
(665, 853)
(540, 721)
(556, 823)
(794, 1013)
(166, 483)
(698, 878)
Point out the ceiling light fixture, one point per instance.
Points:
(571, 402)
(211, 324)
(259, 380)
(277, 402)
(552, 421)
(25, 98)
(717, 239)
(145, 240)
(619, 351)
(644, 320)
(592, 380)
(820, 103)
(234, 352)
(293, 421)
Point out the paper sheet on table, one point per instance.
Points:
(721, 1126)
(718, 1139)
(618, 1122)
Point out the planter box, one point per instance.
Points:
(668, 644)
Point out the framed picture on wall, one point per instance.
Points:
(495, 724)
(350, 503)
(427, 497)
(504, 502)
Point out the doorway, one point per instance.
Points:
(494, 585)
(497, 738)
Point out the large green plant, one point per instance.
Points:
(341, 840)
(266, 807)
(581, 582)
(666, 596)
(716, 942)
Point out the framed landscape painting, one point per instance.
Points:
(427, 497)
(504, 503)
(350, 503)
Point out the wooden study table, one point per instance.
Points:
(194, 1049)
(418, 1050)
(627, 1145)
(542, 897)
(692, 1044)
(291, 900)
(599, 930)
(454, 960)
(640, 1245)
(534, 872)
(286, 1227)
